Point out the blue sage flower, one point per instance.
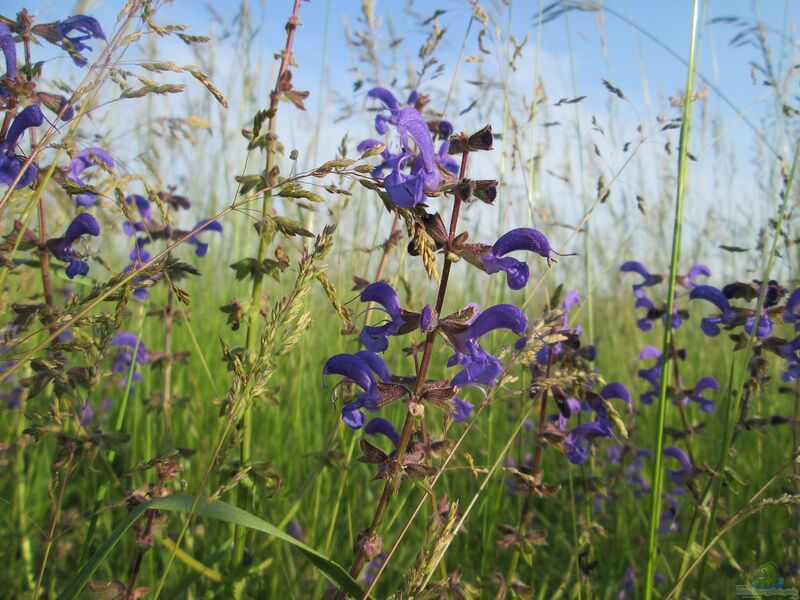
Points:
(790, 352)
(679, 476)
(412, 175)
(62, 248)
(381, 426)
(517, 272)
(81, 27)
(462, 411)
(144, 210)
(710, 325)
(201, 248)
(791, 312)
(648, 279)
(479, 366)
(375, 337)
(696, 395)
(90, 157)
(651, 375)
(126, 340)
(139, 256)
(360, 368)
(764, 328)
(669, 520)
(577, 443)
(689, 280)
(8, 46)
(10, 163)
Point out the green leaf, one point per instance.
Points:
(290, 227)
(221, 511)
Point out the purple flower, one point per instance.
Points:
(791, 313)
(764, 325)
(669, 521)
(146, 213)
(610, 392)
(293, 529)
(577, 443)
(59, 32)
(85, 159)
(479, 366)
(372, 568)
(360, 368)
(704, 383)
(55, 103)
(681, 475)
(201, 248)
(381, 426)
(10, 163)
(139, 256)
(517, 272)
(688, 280)
(427, 321)
(9, 48)
(790, 352)
(462, 411)
(122, 363)
(571, 300)
(710, 325)
(411, 174)
(651, 375)
(635, 478)
(13, 397)
(648, 279)
(374, 337)
(86, 414)
(628, 584)
(83, 224)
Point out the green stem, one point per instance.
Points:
(658, 465)
(242, 492)
(112, 454)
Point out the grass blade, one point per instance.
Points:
(666, 372)
(221, 511)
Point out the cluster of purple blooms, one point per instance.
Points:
(71, 34)
(410, 173)
(147, 229)
(407, 174)
(729, 317)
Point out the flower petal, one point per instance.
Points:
(385, 96)
(375, 363)
(380, 426)
(353, 368)
(383, 294)
(522, 238)
(499, 316)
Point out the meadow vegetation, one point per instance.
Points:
(425, 329)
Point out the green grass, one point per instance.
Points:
(88, 486)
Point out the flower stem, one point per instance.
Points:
(55, 517)
(666, 371)
(408, 427)
(167, 398)
(687, 432)
(137, 563)
(242, 493)
(535, 470)
(44, 256)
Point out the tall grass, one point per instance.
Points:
(246, 421)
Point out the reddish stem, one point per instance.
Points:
(408, 427)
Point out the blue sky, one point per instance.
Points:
(577, 51)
